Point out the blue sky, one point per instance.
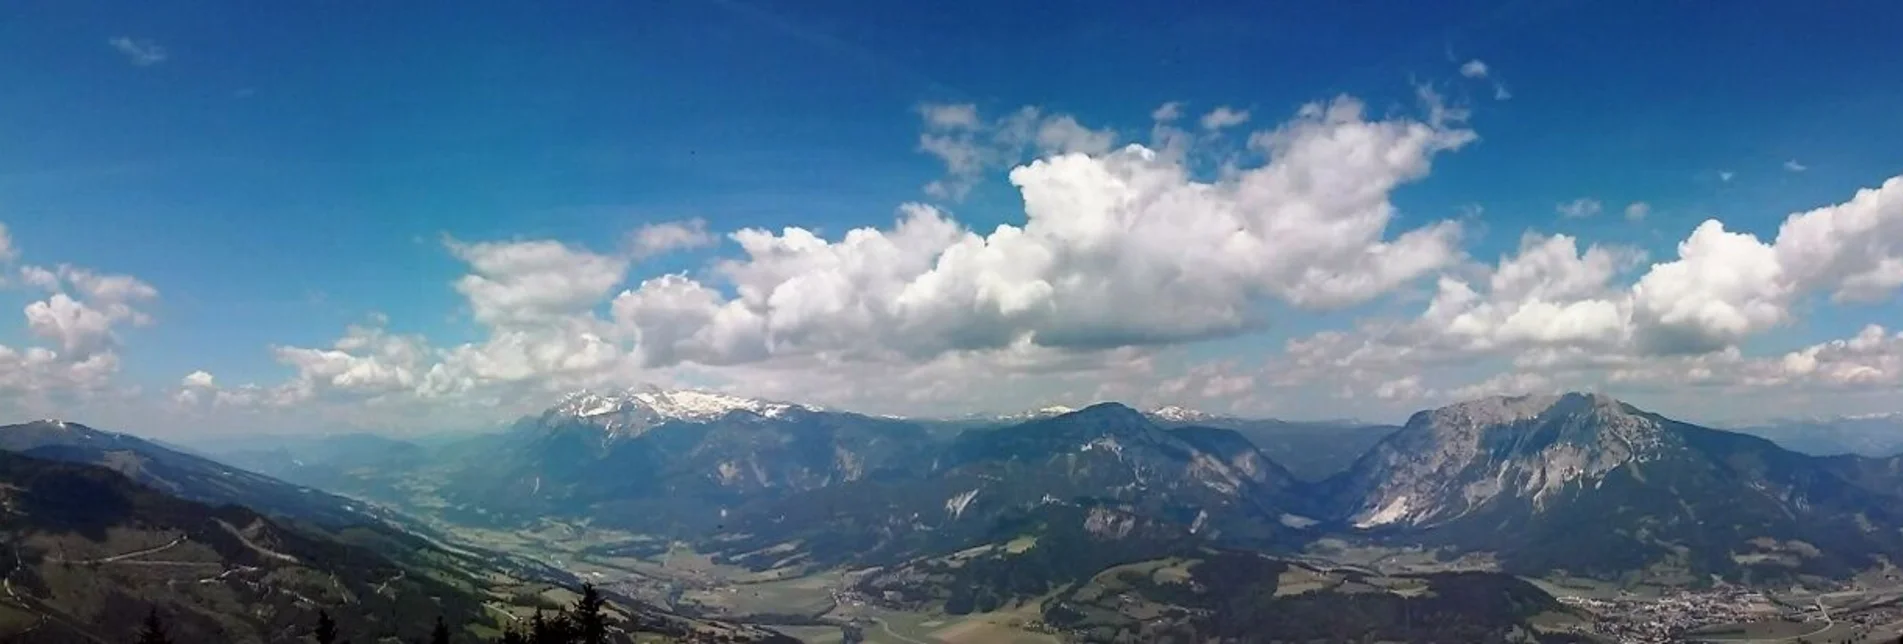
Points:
(280, 171)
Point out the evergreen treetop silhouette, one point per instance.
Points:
(153, 631)
(591, 624)
(326, 631)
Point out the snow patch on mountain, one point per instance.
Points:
(1394, 510)
(635, 410)
(1176, 414)
(956, 505)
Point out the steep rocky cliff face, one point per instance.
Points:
(1589, 484)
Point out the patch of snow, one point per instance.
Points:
(1034, 414)
(1202, 517)
(1178, 414)
(727, 472)
(1394, 510)
(956, 505)
(1296, 521)
(638, 409)
(1107, 443)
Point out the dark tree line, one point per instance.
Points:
(584, 622)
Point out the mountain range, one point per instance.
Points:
(1863, 435)
(1577, 483)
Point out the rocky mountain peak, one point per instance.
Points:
(1448, 461)
(1492, 410)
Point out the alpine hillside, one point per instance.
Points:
(1205, 482)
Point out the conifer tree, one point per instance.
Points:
(153, 631)
(591, 623)
(326, 631)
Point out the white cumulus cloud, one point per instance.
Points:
(1098, 263)
(668, 236)
(1224, 117)
(970, 146)
(533, 281)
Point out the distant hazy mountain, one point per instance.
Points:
(671, 461)
(341, 462)
(1869, 435)
(182, 474)
(1206, 482)
(1311, 450)
(1591, 485)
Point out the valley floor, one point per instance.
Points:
(817, 608)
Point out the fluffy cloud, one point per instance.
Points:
(970, 146)
(1403, 388)
(1224, 117)
(533, 281)
(1854, 249)
(139, 51)
(535, 298)
(79, 317)
(1078, 298)
(1578, 208)
(1793, 166)
(1637, 211)
(1549, 293)
(200, 379)
(1212, 385)
(1724, 286)
(194, 388)
(1873, 357)
(1474, 69)
(36, 373)
(77, 329)
(950, 117)
(1099, 262)
(1168, 112)
(84, 325)
(367, 361)
(660, 238)
(1506, 384)
(1555, 310)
